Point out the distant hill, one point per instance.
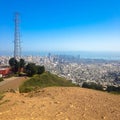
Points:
(44, 80)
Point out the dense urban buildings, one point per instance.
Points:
(78, 70)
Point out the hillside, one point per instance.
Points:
(46, 79)
(60, 103)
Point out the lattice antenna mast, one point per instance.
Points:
(17, 43)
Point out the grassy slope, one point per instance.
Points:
(44, 80)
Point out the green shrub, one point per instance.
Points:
(30, 69)
(92, 85)
(25, 89)
(1, 79)
(40, 69)
(113, 89)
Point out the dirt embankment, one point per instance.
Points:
(58, 103)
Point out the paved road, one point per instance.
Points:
(12, 83)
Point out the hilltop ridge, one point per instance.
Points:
(60, 103)
(45, 79)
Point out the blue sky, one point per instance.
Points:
(61, 25)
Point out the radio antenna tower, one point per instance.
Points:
(17, 43)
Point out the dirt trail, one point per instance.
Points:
(61, 103)
(12, 83)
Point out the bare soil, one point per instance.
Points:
(60, 103)
(12, 83)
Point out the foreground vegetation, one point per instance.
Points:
(92, 85)
(44, 80)
(95, 86)
(1, 79)
(113, 89)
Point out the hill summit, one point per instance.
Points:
(50, 97)
(60, 103)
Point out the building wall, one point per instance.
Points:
(4, 71)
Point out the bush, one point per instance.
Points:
(113, 89)
(40, 69)
(31, 69)
(1, 79)
(92, 85)
(25, 89)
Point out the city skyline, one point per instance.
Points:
(63, 25)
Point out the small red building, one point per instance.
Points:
(4, 71)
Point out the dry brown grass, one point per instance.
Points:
(61, 103)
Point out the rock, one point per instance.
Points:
(11, 90)
(71, 106)
(23, 101)
(59, 113)
(57, 102)
(103, 117)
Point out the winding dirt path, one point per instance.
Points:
(12, 83)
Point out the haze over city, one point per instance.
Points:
(61, 25)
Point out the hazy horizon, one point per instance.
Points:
(78, 54)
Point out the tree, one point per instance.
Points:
(31, 69)
(21, 64)
(40, 69)
(14, 64)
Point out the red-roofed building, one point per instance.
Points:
(4, 71)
